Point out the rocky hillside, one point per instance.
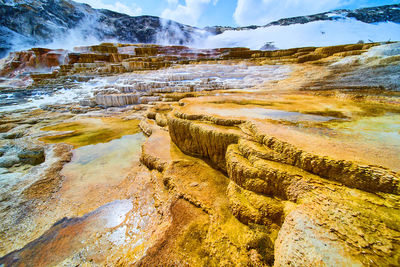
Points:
(28, 23)
(25, 23)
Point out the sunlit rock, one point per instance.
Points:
(246, 157)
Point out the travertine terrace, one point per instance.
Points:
(219, 157)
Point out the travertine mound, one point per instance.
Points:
(117, 100)
(245, 163)
(250, 207)
(322, 219)
(203, 139)
(211, 141)
(109, 58)
(202, 230)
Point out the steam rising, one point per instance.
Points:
(94, 26)
(81, 35)
(171, 33)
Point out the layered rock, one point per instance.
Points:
(234, 175)
(201, 230)
(250, 207)
(212, 140)
(117, 100)
(203, 139)
(32, 60)
(367, 178)
(109, 58)
(275, 182)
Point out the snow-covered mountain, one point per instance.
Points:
(65, 24)
(375, 24)
(317, 33)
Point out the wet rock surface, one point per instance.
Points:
(246, 158)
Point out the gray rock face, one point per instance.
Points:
(25, 22)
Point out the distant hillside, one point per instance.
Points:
(65, 23)
(25, 23)
(387, 13)
(374, 24)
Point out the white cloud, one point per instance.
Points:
(133, 9)
(189, 13)
(260, 12)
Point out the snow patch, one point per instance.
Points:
(317, 33)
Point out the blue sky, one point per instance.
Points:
(229, 12)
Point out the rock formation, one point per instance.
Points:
(275, 183)
(246, 158)
(26, 24)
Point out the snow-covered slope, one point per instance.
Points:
(372, 24)
(316, 33)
